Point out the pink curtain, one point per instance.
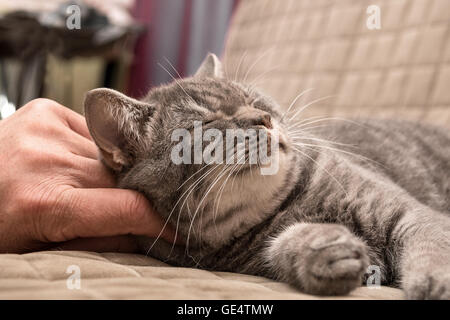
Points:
(180, 32)
(138, 78)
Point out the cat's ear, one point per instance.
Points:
(211, 67)
(115, 121)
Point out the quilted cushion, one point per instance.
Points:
(400, 70)
(44, 275)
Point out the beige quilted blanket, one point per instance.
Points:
(284, 47)
(400, 70)
(44, 275)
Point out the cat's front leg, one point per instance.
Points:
(323, 259)
(425, 255)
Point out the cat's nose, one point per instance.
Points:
(265, 120)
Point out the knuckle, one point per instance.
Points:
(27, 154)
(41, 118)
(35, 154)
(29, 150)
(40, 105)
(50, 129)
(61, 160)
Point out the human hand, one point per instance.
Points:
(54, 191)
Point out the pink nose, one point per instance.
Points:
(266, 121)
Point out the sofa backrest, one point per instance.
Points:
(334, 47)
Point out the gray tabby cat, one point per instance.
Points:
(319, 222)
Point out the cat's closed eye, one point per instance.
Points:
(206, 122)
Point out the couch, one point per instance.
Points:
(284, 47)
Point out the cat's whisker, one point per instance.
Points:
(295, 124)
(179, 215)
(175, 237)
(165, 224)
(310, 104)
(361, 157)
(255, 62)
(200, 203)
(234, 178)
(260, 76)
(224, 185)
(294, 101)
(219, 197)
(203, 179)
(204, 167)
(307, 130)
(192, 188)
(233, 171)
(239, 65)
(171, 65)
(209, 189)
(227, 74)
(177, 82)
(304, 137)
(321, 167)
(219, 193)
(196, 184)
(227, 169)
(328, 119)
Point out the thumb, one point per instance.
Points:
(87, 213)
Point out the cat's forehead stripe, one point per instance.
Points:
(215, 96)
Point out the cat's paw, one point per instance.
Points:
(321, 259)
(336, 262)
(431, 285)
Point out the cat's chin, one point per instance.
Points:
(249, 201)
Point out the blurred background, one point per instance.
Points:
(123, 44)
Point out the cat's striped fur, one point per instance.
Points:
(329, 212)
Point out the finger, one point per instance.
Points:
(80, 145)
(84, 213)
(93, 174)
(125, 244)
(76, 122)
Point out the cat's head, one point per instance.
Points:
(159, 145)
